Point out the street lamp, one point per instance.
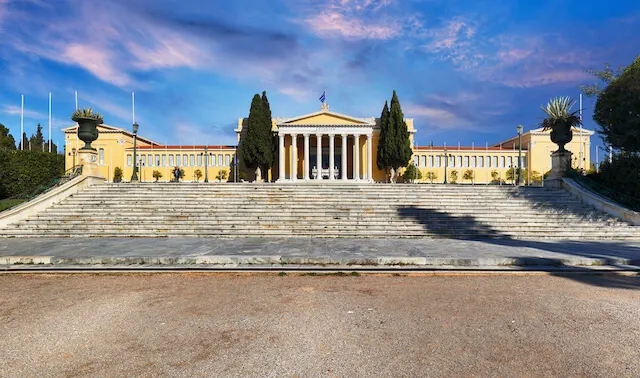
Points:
(134, 177)
(206, 155)
(519, 128)
(73, 153)
(446, 164)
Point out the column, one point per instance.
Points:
(294, 158)
(331, 156)
(319, 156)
(344, 157)
(281, 157)
(369, 158)
(356, 157)
(306, 157)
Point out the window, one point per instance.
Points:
(459, 163)
(424, 161)
(157, 160)
(171, 160)
(501, 161)
(452, 161)
(101, 156)
(474, 162)
(495, 161)
(199, 160)
(192, 161)
(416, 160)
(466, 162)
(481, 162)
(213, 160)
(227, 159)
(219, 160)
(164, 160)
(524, 162)
(510, 161)
(430, 161)
(150, 160)
(129, 160)
(438, 161)
(488, 160)
(178, 160)
(185, 160)
(142, 160)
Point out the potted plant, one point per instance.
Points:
(560, 119)
(157, 175)
(88, 122)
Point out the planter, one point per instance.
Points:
(561, 135)
(87, 131)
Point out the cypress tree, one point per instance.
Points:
(24, 142)
(269, 134)
(37, 140)
(381, 161)
(256, 143)
(401, 153)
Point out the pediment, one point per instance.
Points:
(325, 118)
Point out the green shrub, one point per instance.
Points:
(24, 172)
(117, 174)
(411, 173)
(468, 175)
(453, 177)
(431, 175)
(621, 175)
(157, 175)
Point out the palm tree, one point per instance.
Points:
(560, 119)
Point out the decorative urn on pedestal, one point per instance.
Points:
(88, 122)
(560, 120)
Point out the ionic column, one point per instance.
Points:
(281, 157)
(294, 158)
(319, 156)
(369, 158)
(306, 157)
(331, 157)
(356, 157)
(344, 157)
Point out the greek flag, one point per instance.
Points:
(323, 97)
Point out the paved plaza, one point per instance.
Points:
(317, 251)
(207, 325)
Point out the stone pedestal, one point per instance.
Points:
(560, 165)
(89, 162)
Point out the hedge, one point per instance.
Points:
(22, 173)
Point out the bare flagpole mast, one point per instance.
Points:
(582, 152)
(49, 121)
(22, 125)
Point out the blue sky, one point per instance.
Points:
(467, 71)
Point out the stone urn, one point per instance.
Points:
(561, 134)
(258, 175)
(87, 131)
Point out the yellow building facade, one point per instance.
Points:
(343, 147)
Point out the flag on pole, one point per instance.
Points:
(323, 97)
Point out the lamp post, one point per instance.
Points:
(134, 176)
(73, 153)
(446, 164)
(206, 155)
(519, 128)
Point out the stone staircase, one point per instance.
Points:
(322, 210)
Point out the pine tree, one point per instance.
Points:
(7, 142)
(381, 161)
(37, 140)
(400, 154)
(256, 143)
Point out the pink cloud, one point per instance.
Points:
(102, 63)
(335, 24)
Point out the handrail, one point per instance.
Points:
(620, 198)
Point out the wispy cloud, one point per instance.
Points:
(34, 115)
(455, 41)
(336, 24)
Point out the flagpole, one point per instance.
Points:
(22, 125)
(49, 122)
(581, 147)
(133, 107)
(76, 100)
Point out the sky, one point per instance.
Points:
(465, 70)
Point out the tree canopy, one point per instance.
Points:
(7, 142)
(617, 110)
(36, 141)
(383, 140)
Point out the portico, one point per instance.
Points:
(325, 146)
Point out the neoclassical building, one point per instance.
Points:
(325, 146)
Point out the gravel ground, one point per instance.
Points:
(324, 326)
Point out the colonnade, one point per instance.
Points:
(367, 176)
